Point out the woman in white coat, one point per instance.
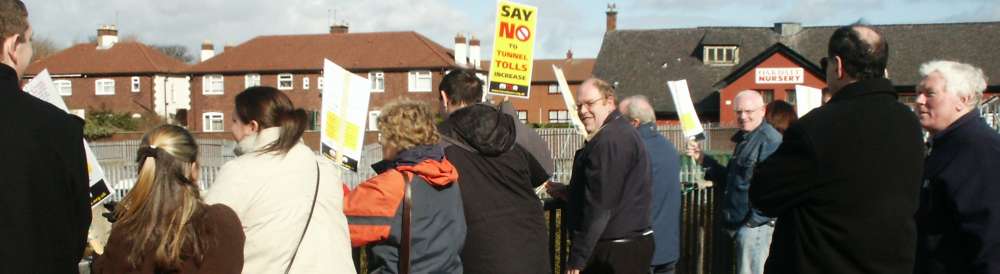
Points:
(293, 217)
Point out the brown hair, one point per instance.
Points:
(606, 89)
(272, 108)
(13, 19)
(405, 124)
(780, 115)
(159, 213)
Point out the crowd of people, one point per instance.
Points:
(852, 187)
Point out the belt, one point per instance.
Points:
(644, 235)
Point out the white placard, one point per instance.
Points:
(345, 108)
(42, 87)
(807, 98)
(779, 75)
(567, 95)
(690, 124)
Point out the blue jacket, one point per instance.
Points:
(751, 148)
(958, 222)
(664, 163)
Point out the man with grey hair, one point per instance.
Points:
(958, 222)
(664, 166)
(749, 231)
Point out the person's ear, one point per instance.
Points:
(194, 172)
(10, 48)
(840, 67)
(964, 100)
(254, 126)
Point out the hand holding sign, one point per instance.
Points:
(690, 124)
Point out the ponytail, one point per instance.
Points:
(272, 108)
(293, 124)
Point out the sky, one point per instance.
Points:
(562, 24)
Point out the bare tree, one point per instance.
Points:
(176, 51)
(43, 47)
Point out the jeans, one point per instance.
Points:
(750, 250)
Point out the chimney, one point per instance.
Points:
(612, 22)
(569, 55)
(107, 36)
(339, 29)
(227, 47)
(207, 50)
(461, 51)
(787, 28)
(475, 53)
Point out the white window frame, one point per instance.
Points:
(104, 83)
(721, 55)
(523, 116)
(560, 116)
(213, 84)
(319, 81)
(305, 83)
(207, 118)
(289, 79)
(64, 87)
(377, 79)
(136, 84)
(373, 120)
(416, 76)
(553, 88)
(251, 80)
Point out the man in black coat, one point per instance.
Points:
(498, 176)
(845, 181)
(44, 198)
(608, 215)
(958, 223)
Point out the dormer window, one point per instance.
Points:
(721, 55)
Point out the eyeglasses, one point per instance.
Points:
(589, 104)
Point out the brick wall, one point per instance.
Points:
(124, 100)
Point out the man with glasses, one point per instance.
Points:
(845, 183)
(749, 231)
(609, 192)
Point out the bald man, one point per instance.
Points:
(846, 180)
(747, 229)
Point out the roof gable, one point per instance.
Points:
(122, 58)
(777, 48)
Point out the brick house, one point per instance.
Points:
(718, 62)
(545, 104)
(399, 64)
(128, 77)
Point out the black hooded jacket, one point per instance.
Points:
(497, 178)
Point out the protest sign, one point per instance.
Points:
(344, 109)
(43, 88)
(513, 47)
(567, 95)
(806, 99)
(690, 124)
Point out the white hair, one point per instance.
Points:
(749, 95)
(638, 107)
(961, 79)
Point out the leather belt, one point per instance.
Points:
(642, 236)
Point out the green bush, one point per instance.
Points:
(104, 123)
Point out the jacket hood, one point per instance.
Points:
(484, 128)
(429, 163)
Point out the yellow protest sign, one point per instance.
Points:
(513, 49)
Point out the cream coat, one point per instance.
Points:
(272, 194)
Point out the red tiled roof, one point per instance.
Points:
(575, 70)
(123, 57)
(353, 51)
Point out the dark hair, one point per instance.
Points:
(863, 57)
(13, 19)
(462, 87)
(272, 108)
(781, 115)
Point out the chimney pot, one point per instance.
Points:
(569, 55)
(339, 29)
(612, 18)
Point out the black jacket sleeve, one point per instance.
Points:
(78, 183)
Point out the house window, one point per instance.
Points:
(768, 95)
(251, 80)
(305, 83)
(212, 84)
(104, 87)
(523, 116)
(790, 98)
(285, 81)
(558, 116)
(212, 122)
(373, 120)
(135, 84)
(314, 120)
(721, 55)
(378, 80)
(420, 81)
(319, 81)
(65, 87)
(553, 89)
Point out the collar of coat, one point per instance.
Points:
(742, 135)
(8, 78)
(973, 115)
(611, 117)
(266, 137)
(864, 88)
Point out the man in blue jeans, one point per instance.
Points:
(749, 231)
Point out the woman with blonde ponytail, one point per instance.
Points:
(162, 224)
(289, 200)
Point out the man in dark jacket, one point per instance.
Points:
(958, 223)
(609, 193)
(665, 171)
(506, 223)
(845, 181)
(44, 204)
